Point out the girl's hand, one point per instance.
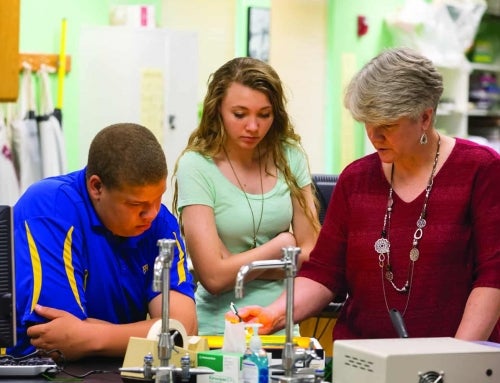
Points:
(254, 314)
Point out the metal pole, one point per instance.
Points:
(161, 282)
(290, 257)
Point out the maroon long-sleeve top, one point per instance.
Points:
(459, 248)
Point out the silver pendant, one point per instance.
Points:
(389, 276)
(382, 245)
(414, 254)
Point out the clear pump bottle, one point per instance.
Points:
(255, 361)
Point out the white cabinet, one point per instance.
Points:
(140, 75)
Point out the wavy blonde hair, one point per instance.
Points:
(209, 137)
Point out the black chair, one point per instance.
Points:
(320, 326)
(324, 185)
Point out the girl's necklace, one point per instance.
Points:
(255, 229)
(383, 245)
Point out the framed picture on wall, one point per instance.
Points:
(258, 33)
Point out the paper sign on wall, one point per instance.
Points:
(152, 101)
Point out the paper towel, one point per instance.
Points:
(180, 340)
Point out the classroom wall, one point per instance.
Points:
(314, 47)
(299, 53)
(215, 23)
(221, 26)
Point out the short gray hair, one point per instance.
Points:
(397, 83)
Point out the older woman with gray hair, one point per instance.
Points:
(411, 230)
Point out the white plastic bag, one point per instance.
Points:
(465, 16)
(443, 30)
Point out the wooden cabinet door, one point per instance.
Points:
(9, 49)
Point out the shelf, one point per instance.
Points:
(483, 113)
(456, 114)
(449, 112)
(35, 60)
(485, 67)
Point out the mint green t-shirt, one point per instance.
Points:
(200, 182)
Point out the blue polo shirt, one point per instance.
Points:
(65, 258)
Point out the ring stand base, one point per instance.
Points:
(137, 348)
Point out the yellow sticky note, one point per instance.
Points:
(152, 101)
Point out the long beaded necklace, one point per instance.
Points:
(255, 229)
(383, 245)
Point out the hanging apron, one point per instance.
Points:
(25, 140)
(52, 145)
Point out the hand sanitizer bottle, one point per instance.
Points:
(255, 361)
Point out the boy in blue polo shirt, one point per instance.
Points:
(85, 246)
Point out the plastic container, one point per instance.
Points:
(255, 360)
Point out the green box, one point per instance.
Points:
(226, 364)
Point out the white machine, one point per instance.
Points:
(415, 360)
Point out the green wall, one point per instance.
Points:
(42, 35)
(342, 40)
